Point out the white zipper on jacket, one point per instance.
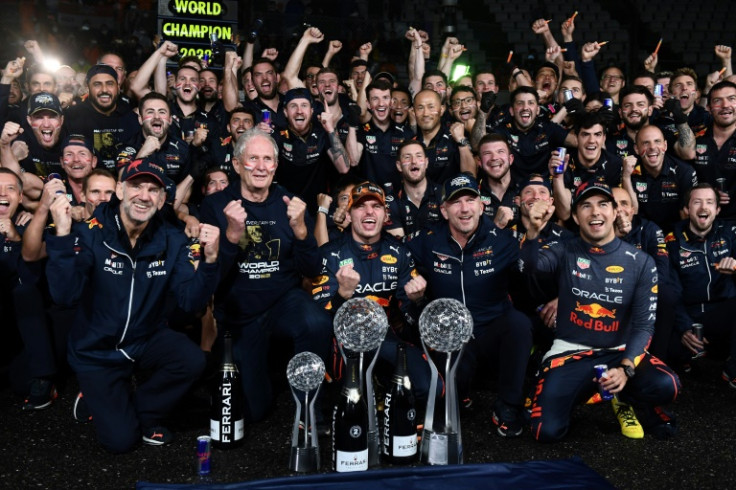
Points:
(130, 301)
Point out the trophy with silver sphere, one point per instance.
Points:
(305, 373)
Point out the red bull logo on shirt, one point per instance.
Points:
(594, 311)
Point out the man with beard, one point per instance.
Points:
(265, 81)
(210, 103)
(416, 204)
(682, 117)
(471, 260)
(307, 149)
(464, 106)
(660, 181)
(11, 94)
(530, 138)
(239, 120)
(590, 161)
(595, 324)
(188, 121)
(67, 88)
(448, 150)
(546, 79)
(155, 141)
(702, 250)
(635, 110)
(100, 118)
(128, 255)
(714, 153)
(496, 189)
(375, 143)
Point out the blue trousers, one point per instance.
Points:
(567, 380)
(119, 413)
(295, 318)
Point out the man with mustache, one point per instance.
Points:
(100, 118)
(660, 181)
(682, 117)
(714, 153)
(635, 110)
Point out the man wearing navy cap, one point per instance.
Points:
(99, 118)
(605, 315)
(470, 259)
(128, 256)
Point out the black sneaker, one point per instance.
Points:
(80, 411)
(43, 393)
(729, 373)
(157, 436)
(658, 422)
(508, 420)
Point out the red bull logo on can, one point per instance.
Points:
(594, 311)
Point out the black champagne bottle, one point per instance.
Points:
(350, 424)
(226, 416)
(400, 415)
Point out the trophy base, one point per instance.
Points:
(304, 459)
(441, 449)
(373, 449)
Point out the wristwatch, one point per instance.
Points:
(463, 142)
(629, 371)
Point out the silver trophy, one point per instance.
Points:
(305, 373)
(445, 326)
(360, 326)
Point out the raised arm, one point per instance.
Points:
(139, 86)
(291, 72)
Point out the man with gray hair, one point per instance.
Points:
(268, 247)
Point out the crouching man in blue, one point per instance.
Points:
(470, 259)
(605, 315)
(124, 261)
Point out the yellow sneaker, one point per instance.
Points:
(630, 426)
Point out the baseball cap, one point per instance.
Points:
(457, 184)
(101, 68)
(551, 65)
(44, 101)
(78, 140)
(297, 93)
(385, 75)
(145, 166)
(366, 190)
(534, 181)
(590, 187)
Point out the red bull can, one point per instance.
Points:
(601, 374)
(204, 445)
(266, 116)
(608, 103)
(561, 167)
(658, 90)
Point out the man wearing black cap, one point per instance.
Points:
(605, 315)
(306, 149)
(470, 259)
(128, 256)
(99, 118)
(46, 122)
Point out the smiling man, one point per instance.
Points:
(605, 315)
(365, 262)
(128, 255)
(99, 118)
(268, 247)
(470, 259)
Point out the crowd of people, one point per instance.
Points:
(146, 211)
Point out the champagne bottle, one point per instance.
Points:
(226, 416)
(350, 424)
(400, 415)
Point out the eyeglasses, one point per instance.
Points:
(466, 101)
(612, 77)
